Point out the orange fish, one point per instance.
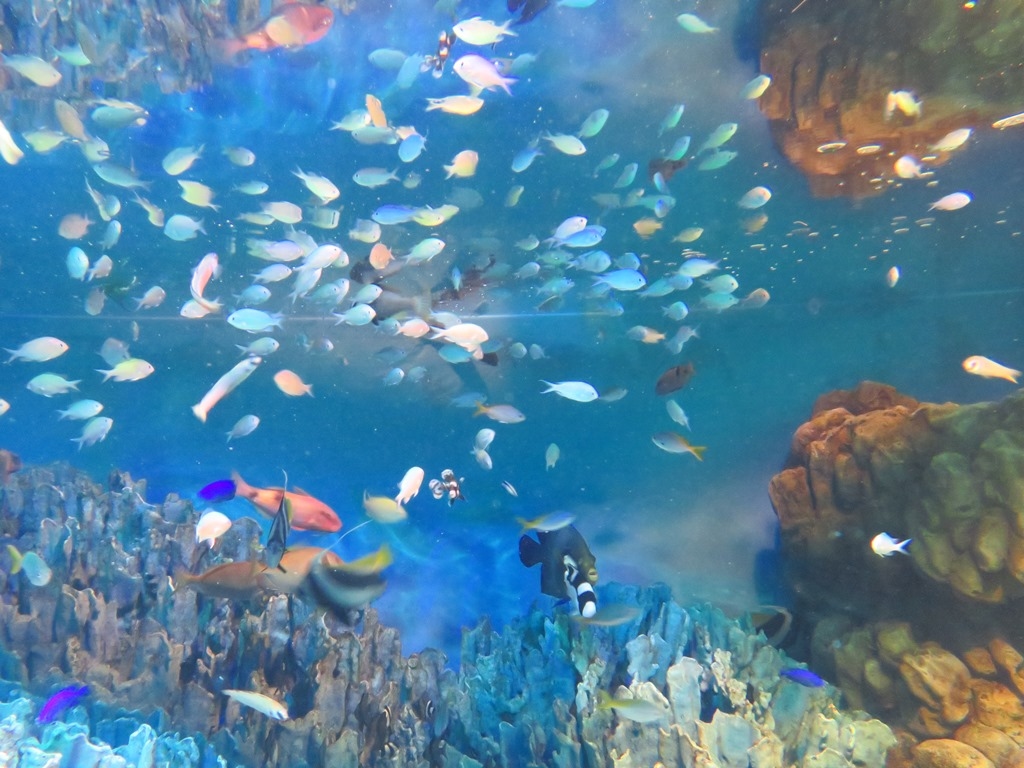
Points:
(293, 26)
(308, 513)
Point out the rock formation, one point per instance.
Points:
(833, 62)
(951, 478)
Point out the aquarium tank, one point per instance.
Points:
(511, 383)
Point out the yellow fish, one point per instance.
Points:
(990, 369)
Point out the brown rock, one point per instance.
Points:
(995, 745)
(965, 578)
(927, 724)
(791, 498)
(1015, 557)
(866, 396)
(950, 484)
(1009, 660)
(879, 683)
(980, 662)
(948, 753)
(821, 424)
(1000, 462)
(991, 542)
(997, 706)
(852, 484)
(894, 639)
(939, 680)
(10, 463)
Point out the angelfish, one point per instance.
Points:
(576, 583)
(549, 550)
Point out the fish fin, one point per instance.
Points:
(481, 409)
(529, 551)
(698, 451)
(298, 491)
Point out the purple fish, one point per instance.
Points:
(60, 702)
(218, 491)
(803, 677)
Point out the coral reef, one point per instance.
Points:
(833, 63)
(951, 478)
(110, 618)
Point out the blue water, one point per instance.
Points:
(705, 528)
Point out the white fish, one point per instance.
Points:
(885, 545)
(360, 314)
(259, 702)
(469, 336)
(132, 369)
(566, 143)
(697, 267)
(212, 524)
(580, 391)
(224, 386)
(181, 228)
(755, 198)
(676, 311)
(551, 456)
(322, 187)
(425, 250)
(952, 140)
(694, 24)
(907, 167)
(410, 484)
(756, 87)
(483, 458)
(719, 136)
(479, 31)
(38, 350)
(721, 284)
(4, 406)
(622, 280)
(372, 178)
(254, 320)
(677, 414)
(36, 570)
(593, 124)
(152, 298)
(951, 202)
(261, 347)
(483, 439)
(240, 156)
(94, 431)
(81, 410)
(383, 509)
(40, 72)
(9, 149)
(482, 73)
(179, 160)
(244, 426)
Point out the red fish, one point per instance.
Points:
(308, 513)
(292, 26)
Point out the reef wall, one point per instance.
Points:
(929, 642)
(156, 658)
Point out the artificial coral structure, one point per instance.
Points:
(155, 659)
(921, 641)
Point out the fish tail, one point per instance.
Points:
(698, 451)
(902, 546)
(529, 551)
(197, 409)
(481, 409)
(16, 558)
(1011, 374)
(550, 387)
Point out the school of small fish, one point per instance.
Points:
(282, 250)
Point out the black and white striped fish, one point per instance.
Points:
(586, 599)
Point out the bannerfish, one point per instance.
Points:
(60, 702)
(293, 568)
(217, 491)
(308, 513)
(341, 590)
(550, 549)
(674, 379)
(277, 539)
